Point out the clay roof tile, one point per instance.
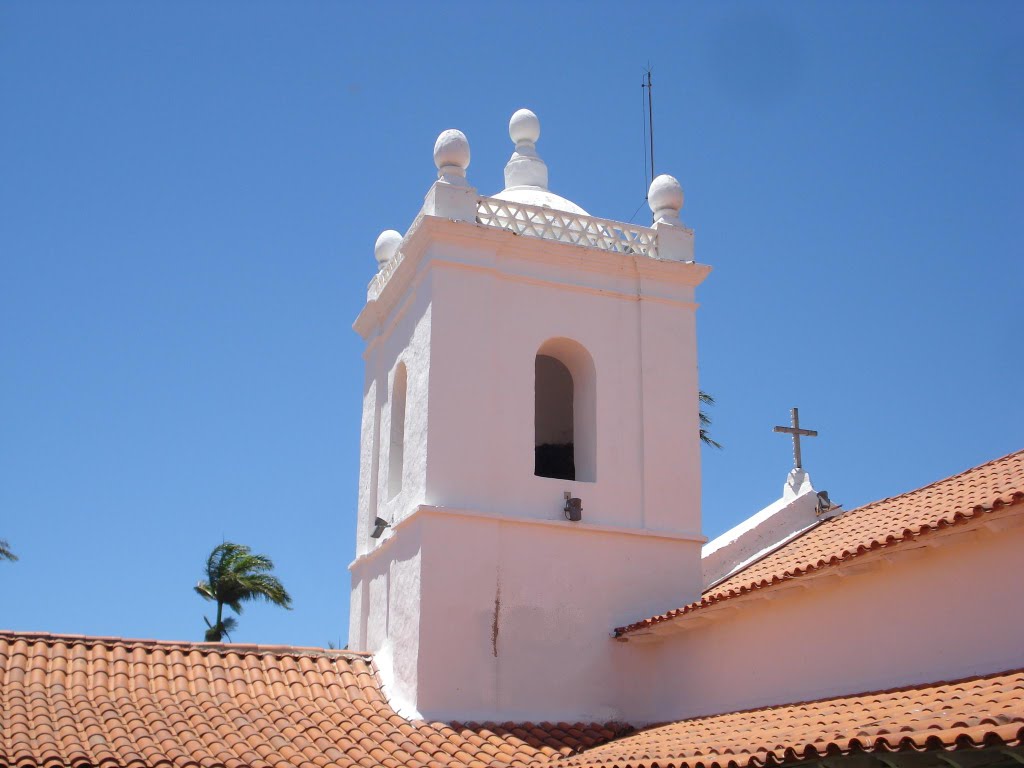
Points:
(953, 501)
(103, 702)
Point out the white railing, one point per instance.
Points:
(381, 278)
(549, 224)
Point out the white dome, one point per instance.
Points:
(526, 174)
(542, 197)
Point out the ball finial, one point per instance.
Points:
(451, 153)
(524, 127)
(665, 198)
(387, 246)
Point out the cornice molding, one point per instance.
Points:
(582, 528)
(498, 246)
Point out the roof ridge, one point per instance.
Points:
(856, 694)
(932, 484)
(204, 647)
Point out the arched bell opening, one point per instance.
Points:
(565, 431)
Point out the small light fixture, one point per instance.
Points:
(573, 508)
(825, 505)
(379, 524)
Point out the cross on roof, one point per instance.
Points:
(796, 432)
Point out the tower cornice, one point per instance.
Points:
(632, 276)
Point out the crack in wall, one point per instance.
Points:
(495, 620)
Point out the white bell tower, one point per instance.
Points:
(519, 351)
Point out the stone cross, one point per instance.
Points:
(796, 432)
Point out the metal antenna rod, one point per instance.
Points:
(650, 115)
(643, 119)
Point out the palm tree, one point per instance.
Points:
(234, 575)
(5, 551)
(705, 420)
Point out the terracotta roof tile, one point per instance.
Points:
(886, 523)
(111, 703)
(975, 713)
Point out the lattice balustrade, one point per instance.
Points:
(548, 224)
(381, 278)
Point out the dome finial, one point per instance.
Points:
(525, 168)
(665, 198)
(524, 127)
(451, 156)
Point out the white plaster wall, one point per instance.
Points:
(671, 417)
(405, 337)
(516, 618)
(467, 312)
(487, 327)
(357, 610)
(414, 329)
(368, 461)
(386, 587)
(946, 612)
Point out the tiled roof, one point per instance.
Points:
(979, 713)
(886, 523)
(71, 702)
(74, 701)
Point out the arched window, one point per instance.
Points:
(564, 412)
(396, 454)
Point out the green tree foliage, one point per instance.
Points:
(234, 575)
(705, 420)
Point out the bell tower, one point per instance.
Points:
(529, 464)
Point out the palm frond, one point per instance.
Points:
(237, 575)
(250, 563)
(203, 589)
(705, 421)
(265, 587)
(227, 626)
(708, 440)
(5, 551)
(213, 633)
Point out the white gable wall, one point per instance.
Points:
(927, 613)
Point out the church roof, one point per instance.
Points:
(977, 713)
(73, 701)
(882, 524)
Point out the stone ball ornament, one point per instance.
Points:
(524, 126)
(665, 197)
(451, 152)
(386, 246)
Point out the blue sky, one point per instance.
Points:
(190, 193)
